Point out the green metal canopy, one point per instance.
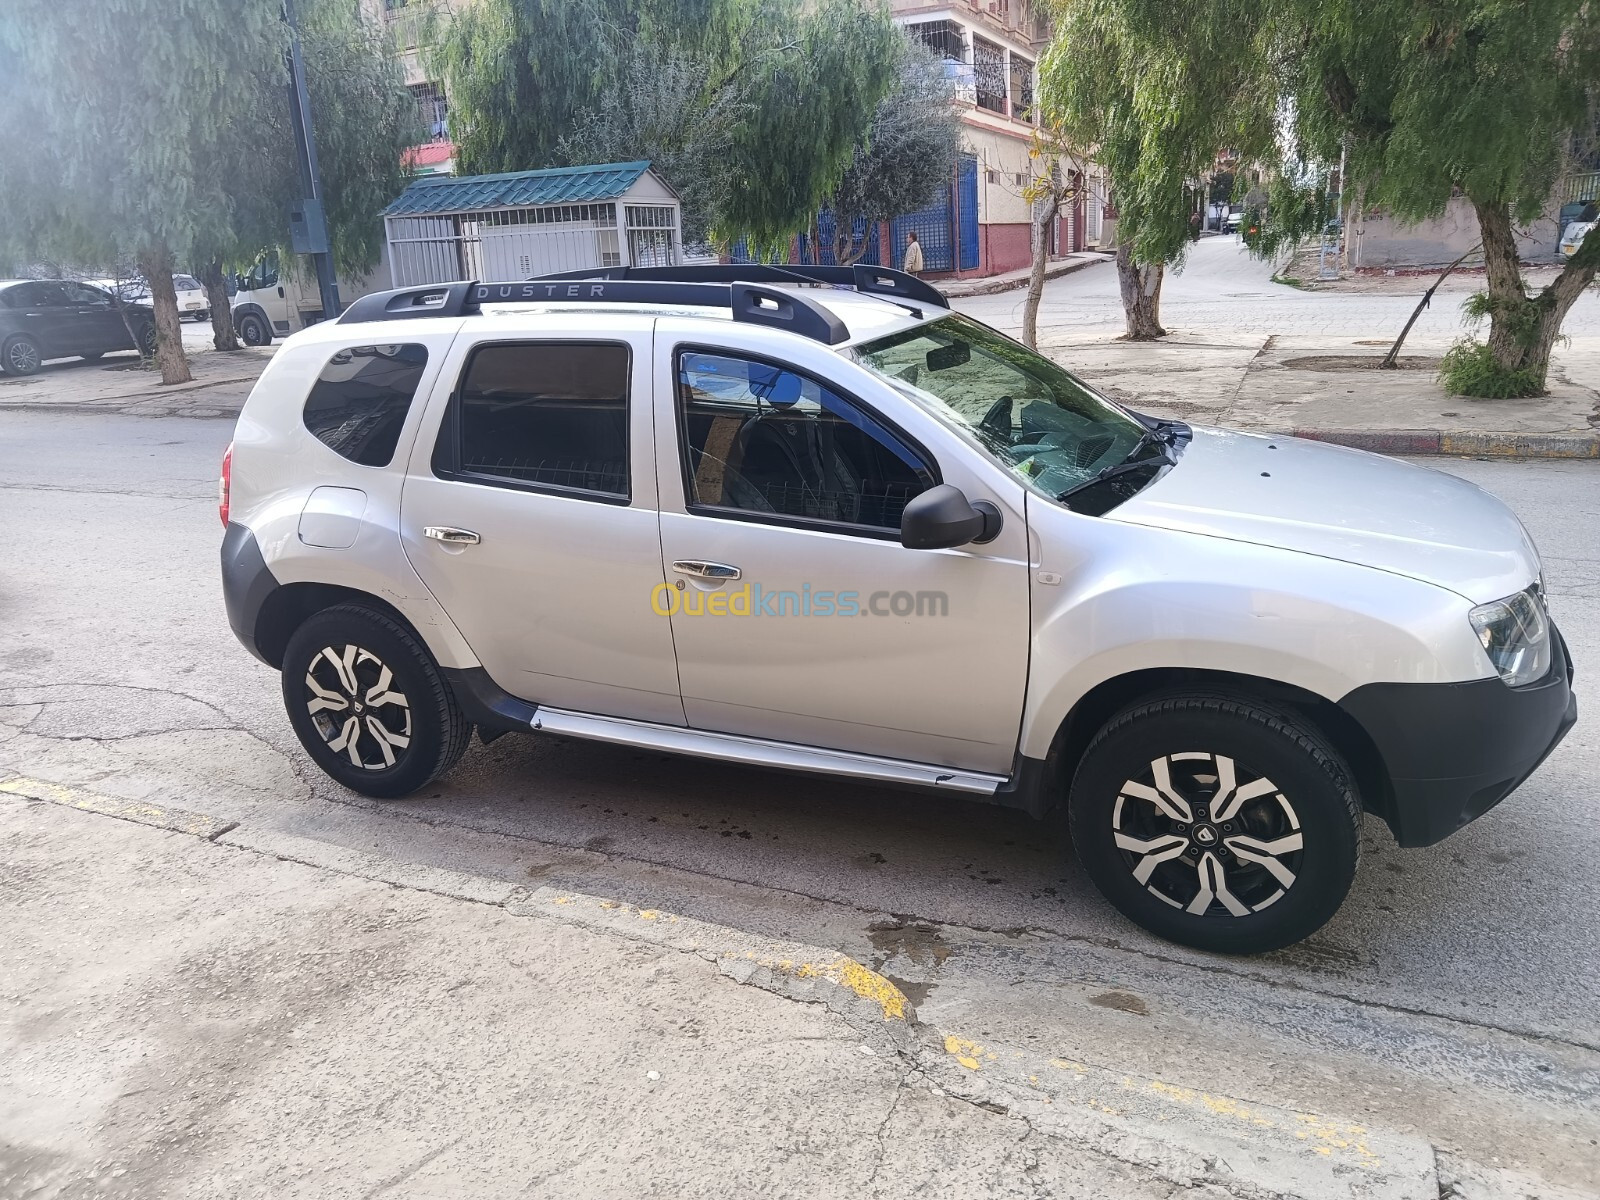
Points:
(517, 189)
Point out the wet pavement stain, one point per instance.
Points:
(1122, 1002)
(918, 941)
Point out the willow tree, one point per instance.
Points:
(1478, 97)
(909, 153)
(1154, 111)
(801, 80)
(364, 119)
(156, 132)
(114, 111)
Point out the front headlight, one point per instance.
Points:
(1515, 634)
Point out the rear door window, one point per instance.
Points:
(359, 402)
(541, 416)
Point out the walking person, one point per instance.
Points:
(913, 262)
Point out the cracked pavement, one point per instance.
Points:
(1450, 1002)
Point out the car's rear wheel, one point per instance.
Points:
(1217, 822)
(253, 330)
(20, 355)
(368, 703)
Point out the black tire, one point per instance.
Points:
(147, 340)
(1304, 807)
(21, 356)
(364, 643)
(253, 331)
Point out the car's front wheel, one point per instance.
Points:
(20, 355)
(1217, 822)
(368, 703)
(147, 340)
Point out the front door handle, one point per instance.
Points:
(451, 536)
(705, 570)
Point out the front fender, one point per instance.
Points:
(1133, 598)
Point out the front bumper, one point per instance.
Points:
(1455, 750)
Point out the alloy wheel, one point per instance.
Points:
(356, 708)
(22, 357)
(1204, 834)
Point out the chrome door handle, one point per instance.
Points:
(705, 570)
(451, 536)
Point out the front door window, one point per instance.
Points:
(764, 441)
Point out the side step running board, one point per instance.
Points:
(729, 747)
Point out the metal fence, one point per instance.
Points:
(1580, 189)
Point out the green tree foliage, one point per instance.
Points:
(1154, 110)
(667, 110)
(156, 131)
(1426, 98)
(802, 78)
(909, 154)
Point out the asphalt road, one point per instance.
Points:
(1453, 996)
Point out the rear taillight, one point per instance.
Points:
(224, 483)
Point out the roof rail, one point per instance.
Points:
(877, 281)
(748, 303)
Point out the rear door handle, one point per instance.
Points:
(705, 570)
(451, 536)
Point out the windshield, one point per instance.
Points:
(1049, 429)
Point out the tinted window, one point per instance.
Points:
(761, 439)
(78, 293)
(36, 295)
(360, 400)
(546, 414)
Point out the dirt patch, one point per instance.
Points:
(1360, 362)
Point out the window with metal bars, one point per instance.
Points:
(1021, 89)
(989, 74)
(944, 38)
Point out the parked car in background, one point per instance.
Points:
(191, 294)
(1573, 237)
(61, 318)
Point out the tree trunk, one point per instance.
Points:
(1043, 213)
(222, 332)
(155, 264)
(1523, 329)
(1141, 296)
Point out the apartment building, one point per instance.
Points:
(991, 49)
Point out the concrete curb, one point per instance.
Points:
(960, 289)
(1457, 442)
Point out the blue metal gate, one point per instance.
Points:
(943, 228)
(967, 193)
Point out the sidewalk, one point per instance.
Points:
(119, 383)
(200, 1008)
(1314, 386)
(1327, 390)
(988, 285)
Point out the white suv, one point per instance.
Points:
(811, 519)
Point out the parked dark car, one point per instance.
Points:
(60, 318)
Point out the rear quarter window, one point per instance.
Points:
(361, 398)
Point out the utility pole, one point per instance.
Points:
(308, 224)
